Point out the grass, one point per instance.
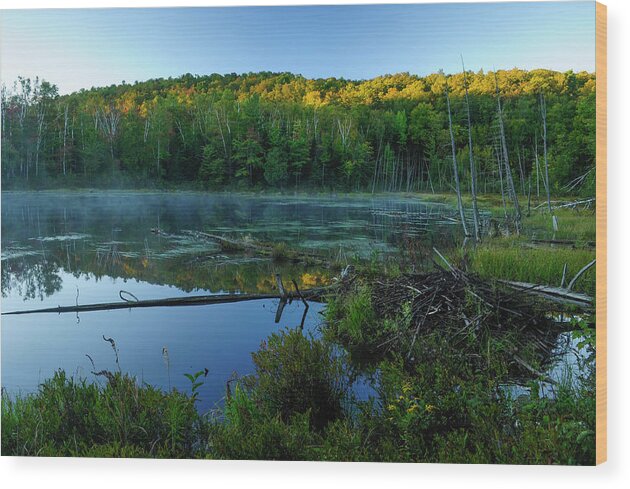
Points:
(578, 226)
(575, 225)
(280, 252)
(514, 262)
(520, 258)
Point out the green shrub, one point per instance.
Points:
(70, 417)
(296, 375)
(248, 432)
(447, 406)
(448, 410)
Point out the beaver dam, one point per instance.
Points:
(460, 306)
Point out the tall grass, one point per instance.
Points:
(573, 225)
(534, 265)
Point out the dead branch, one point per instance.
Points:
(579, 274)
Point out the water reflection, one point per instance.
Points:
(110, 234)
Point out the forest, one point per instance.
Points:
(532, 130)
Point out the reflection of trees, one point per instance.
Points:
(30, 277)
(116, 238)
(212, 273)
(37, 277)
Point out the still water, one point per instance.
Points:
(86, 247)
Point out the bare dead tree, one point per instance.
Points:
(460, 204)
(225, 150)
(537, 167)
(473, 169)
(41, 117)
(521, 172)
(506, 159)
(529, 195)
(65, 139)
(344, 130)
(543, 113)
(109, 121)
(498, 153)
(147, 127)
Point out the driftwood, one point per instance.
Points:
(306, 306)
(249, 246)
(543, 376)
(562, 204)
(283, 297)
(585, 203)
(226, 243)
(562, 294)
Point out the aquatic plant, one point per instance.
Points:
(195, 383)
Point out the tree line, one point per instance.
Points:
(279, 130)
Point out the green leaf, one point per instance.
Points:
(584, 434)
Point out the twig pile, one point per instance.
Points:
(460, 306)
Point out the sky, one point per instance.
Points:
(82, 48)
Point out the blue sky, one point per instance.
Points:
(81, 48)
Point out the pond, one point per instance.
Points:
(67, 248)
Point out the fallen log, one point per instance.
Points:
(556, 294)
(586, 202)
(562, 204)
(226, 243)
(261, 249)
(564, 242)
(315, 294)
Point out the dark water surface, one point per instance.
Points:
(85, 247)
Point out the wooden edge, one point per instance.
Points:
(601, 186)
